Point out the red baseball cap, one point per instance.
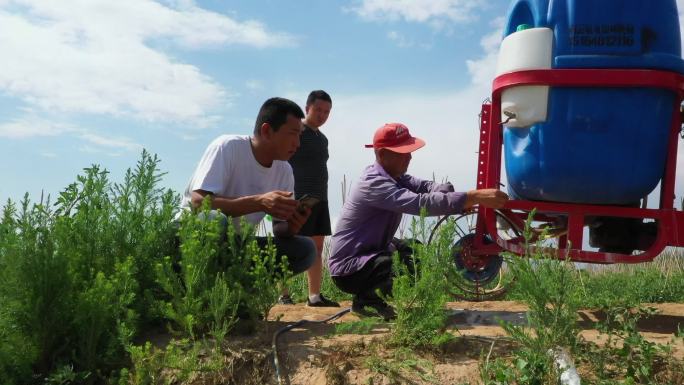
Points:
(395, 137)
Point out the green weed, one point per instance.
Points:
(76, 274)
(625, 353)
(554, 290)
(178, 362)
(419, 294)
(218, 276)
(362, 326)
(402, 367)
(84, 275)
(551, 289)
(659, 281)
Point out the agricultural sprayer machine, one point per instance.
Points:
(586, 113)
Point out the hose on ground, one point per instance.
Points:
(284, 380)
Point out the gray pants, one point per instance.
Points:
(300, 251)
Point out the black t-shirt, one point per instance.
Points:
(309, 164)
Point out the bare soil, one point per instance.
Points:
(316, 355)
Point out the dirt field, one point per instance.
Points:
(315, 355)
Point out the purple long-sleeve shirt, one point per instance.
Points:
(372, 214)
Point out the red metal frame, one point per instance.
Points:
(670, 221)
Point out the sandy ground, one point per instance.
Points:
(307, 352)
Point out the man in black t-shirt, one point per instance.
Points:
(309, 165)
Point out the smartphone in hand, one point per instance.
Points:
(306, 201)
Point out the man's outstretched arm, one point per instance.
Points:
(387, 195)
(491, 198)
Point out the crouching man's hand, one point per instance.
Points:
(293, 225)
(298, 219)
(279, 204)
(491, 198)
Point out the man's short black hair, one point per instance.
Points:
(274, 111)
(317, 94)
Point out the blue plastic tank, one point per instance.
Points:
(598, 145)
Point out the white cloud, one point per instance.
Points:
(254, 85)
(32, 126)
(112, 152)
(98, 57)
(483, 69)
(110, 142)
(434, 12)
(188, 137)
(399, 39)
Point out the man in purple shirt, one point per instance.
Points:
(360, 261)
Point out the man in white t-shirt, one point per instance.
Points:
(250, 177)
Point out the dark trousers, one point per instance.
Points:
(300, 251)
(376, 274)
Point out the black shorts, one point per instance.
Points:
(318, 222)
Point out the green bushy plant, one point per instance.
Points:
(264, 277)
(362, 326)
(218, 275)
(83, 276)
(527, 367)
(76, 274)
(103, 223)
(648, 284)
(419, 295)
(625, 352)
(188, 278)
(17, 351)
(197, 362)
(551, 289)
(554, 290)
(37, 289)
(402, 367)
(180, 361)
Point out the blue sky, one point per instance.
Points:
(95, 81)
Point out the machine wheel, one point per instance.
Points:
(475, 278)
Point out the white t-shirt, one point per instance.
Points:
(228, 169)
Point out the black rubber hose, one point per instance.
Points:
(274, 341)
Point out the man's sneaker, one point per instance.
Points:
(374, 309)
(285, 300)
(322, 302)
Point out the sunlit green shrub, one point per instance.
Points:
(419, 295)
(217, 277)
(76, 276)
(551, 289)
